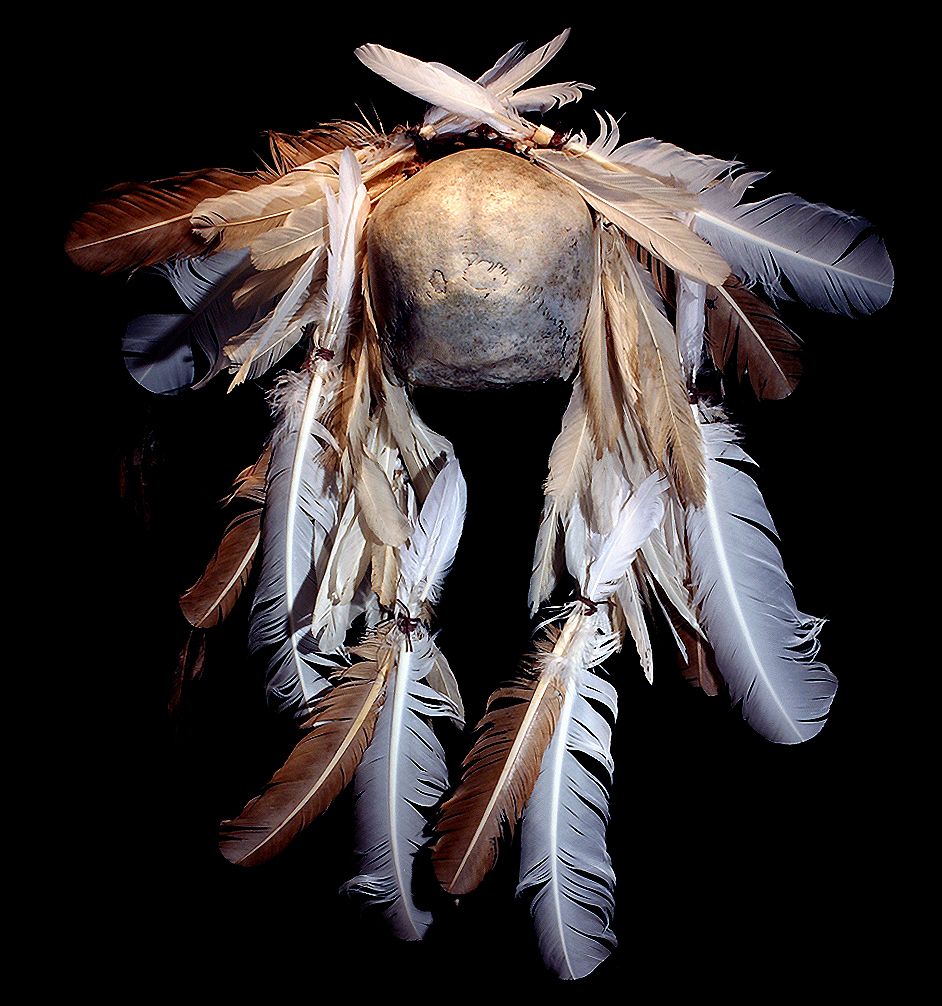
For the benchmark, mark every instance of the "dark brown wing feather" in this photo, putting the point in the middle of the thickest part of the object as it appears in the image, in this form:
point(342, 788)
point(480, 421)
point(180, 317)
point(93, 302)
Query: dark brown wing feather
point(745, 332)
point(138, 225)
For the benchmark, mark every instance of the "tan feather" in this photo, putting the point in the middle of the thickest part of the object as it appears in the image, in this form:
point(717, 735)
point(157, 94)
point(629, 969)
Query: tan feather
point(138, 225)
point(261, 288)
point(378, 506)
point(384, 573)
point(697, 662)
point(599, 377)
point(672, 429)
point(745, 331)
point(235, 219)
point(319, 767)
point(303, 230)
point(665, 282)
point(423, 451)
point(645, 209)
point(621, 317)
point(346, 566)
point(498, 776)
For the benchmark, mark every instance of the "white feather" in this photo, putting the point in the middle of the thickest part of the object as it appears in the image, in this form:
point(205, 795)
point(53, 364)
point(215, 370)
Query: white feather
point(613, 553)
point(510, 74)
point(690, 324)
point(548, 96)
point(831, 260)
point(564, 862)
point(504, 78)
point(403, 775)
point(765, 648)
point(442, 86)
point(280, 618)
point(430, 551)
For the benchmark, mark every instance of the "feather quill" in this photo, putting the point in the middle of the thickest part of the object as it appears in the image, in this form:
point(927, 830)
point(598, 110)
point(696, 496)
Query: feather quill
point(645, 209)
point(765, 648)
point(564, 863)
point(300, 513)
point(400, 778)
point(498, 775)
point(565, 867)
point(303, 497)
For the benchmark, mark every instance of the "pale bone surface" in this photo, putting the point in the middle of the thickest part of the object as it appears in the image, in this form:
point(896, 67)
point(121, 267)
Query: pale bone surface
point(481, 267)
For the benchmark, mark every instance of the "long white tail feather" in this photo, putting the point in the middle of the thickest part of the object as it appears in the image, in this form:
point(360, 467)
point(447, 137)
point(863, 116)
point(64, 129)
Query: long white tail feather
point(765, 648)
point(564, 861)
point(403, 775)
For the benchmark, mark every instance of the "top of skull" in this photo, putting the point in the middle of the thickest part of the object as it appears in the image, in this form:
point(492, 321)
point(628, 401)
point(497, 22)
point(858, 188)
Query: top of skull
point(481, 268)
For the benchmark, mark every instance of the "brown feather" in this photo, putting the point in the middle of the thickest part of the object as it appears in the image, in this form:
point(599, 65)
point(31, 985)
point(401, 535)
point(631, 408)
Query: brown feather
point(138, 225)
point(289, 151)
point(209, 601)
point(319, 767)
point(499, 774)
point(745, 331)
point(697, 662)
point(190, 663)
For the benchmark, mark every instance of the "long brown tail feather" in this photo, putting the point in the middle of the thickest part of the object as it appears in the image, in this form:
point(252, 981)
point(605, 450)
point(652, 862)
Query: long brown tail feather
point(499, 774)
point(319, 767)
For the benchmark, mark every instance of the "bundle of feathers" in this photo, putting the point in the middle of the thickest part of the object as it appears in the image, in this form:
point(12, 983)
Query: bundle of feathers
point(347, 524)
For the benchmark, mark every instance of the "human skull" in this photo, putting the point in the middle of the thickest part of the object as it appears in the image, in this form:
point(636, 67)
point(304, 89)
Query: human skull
point(481, 267)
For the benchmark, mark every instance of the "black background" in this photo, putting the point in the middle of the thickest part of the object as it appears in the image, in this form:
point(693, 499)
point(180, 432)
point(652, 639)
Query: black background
point(736, 859)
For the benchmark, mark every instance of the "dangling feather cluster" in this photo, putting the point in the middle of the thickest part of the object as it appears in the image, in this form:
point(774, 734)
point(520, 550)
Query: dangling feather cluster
point(348, 523)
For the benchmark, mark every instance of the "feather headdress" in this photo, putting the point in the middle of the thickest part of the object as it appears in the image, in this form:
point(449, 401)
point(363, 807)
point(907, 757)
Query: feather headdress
point(342, 531)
